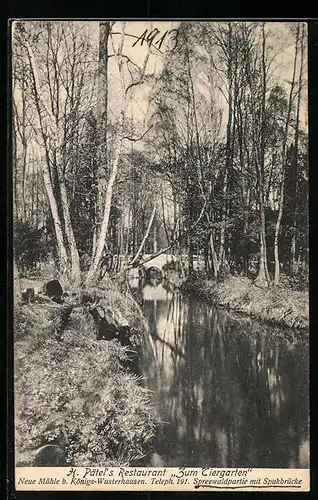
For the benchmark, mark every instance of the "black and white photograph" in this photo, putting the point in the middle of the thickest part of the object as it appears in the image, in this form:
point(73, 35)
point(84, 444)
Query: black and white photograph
point(160, 248)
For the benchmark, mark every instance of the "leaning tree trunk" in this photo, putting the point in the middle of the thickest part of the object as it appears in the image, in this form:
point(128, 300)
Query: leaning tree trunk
point(61, 246)
point(142, 244)
point(94, 270)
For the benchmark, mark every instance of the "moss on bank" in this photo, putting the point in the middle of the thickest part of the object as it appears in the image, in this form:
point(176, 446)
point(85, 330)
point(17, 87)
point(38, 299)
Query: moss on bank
point(279, 305)
point(77, 392)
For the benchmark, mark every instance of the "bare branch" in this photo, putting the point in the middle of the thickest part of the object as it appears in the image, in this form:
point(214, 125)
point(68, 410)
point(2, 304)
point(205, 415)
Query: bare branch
point(136, 139)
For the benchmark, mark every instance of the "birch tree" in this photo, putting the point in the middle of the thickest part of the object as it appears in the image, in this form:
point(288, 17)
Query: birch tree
point(122, 61)
point(58, 59)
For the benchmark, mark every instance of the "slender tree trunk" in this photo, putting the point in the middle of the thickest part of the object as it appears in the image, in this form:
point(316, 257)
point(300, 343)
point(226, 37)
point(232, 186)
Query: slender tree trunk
point(212, 251)
point(198, 161)
point(37, 224)
point(24, 143)
point(24, 176)
point(263, 274)
point(146, 235)
point(175, 222)
point(95, 264)
point(263, 277)
point(128, 233)
point(294, 265)
point(20, 130)
point(62, 253)
point(190, 254)
point(277, 230)
point(60, 237)
point(102, 117)
point(284, 160)
point(74, 256)
point(16, 285)
point(155, 237)
point(215, 263)
point(221, 257)
point(231, 71)
point(32, 218)
point(120, 245)
point(15, 173)
point(94, 268)
point(164, 219)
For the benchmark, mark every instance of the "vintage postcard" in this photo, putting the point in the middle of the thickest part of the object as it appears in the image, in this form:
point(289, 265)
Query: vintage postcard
point(160, 236)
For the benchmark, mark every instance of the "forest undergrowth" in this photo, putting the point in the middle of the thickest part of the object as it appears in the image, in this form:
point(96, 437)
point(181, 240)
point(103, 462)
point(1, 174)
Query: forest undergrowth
point(81, 395)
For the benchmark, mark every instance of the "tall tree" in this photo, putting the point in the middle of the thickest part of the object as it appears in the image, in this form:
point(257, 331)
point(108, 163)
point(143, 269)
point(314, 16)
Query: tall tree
point(284, 159)
point(296, 151)
point(102, 125)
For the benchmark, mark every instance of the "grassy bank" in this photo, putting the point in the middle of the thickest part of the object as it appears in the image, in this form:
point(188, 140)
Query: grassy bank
point(280, 305)
point(78, 393)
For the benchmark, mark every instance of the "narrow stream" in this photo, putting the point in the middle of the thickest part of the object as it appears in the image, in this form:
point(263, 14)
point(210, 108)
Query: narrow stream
point(229, 392)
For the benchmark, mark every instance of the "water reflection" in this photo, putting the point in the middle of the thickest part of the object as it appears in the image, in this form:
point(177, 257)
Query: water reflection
point(228, 391)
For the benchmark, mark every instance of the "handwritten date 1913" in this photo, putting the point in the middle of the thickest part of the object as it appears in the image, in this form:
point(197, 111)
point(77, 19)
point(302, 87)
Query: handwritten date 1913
point(169, 39)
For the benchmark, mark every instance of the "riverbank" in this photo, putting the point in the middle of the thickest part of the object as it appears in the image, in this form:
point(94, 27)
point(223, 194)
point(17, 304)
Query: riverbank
point(74, 392)
point(278, 305)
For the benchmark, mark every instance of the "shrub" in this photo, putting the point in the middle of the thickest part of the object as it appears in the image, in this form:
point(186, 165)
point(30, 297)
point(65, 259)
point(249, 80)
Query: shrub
point(30, 245)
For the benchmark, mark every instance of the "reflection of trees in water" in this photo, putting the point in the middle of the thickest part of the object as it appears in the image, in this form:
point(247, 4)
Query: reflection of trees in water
point(233, 394)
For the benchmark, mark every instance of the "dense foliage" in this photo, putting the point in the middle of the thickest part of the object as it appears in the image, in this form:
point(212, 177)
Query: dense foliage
point(31, 245)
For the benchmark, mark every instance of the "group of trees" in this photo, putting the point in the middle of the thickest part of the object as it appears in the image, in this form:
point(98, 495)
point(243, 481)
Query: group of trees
point(214, 166)
point(250, 179)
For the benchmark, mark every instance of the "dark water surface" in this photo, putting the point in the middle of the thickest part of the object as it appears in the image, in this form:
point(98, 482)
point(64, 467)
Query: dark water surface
point(229, 392)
